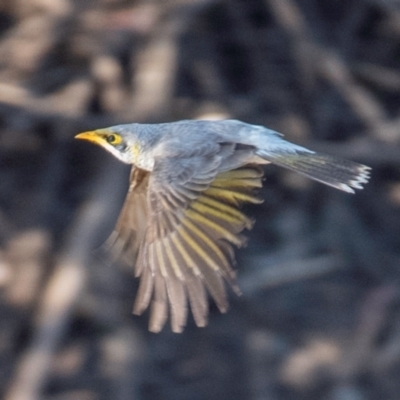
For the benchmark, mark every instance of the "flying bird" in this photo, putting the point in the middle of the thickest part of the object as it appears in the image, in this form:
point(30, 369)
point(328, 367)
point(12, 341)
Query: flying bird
point(181, 215)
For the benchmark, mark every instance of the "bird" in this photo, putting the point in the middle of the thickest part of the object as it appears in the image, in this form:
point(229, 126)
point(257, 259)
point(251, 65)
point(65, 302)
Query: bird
point(182, 213)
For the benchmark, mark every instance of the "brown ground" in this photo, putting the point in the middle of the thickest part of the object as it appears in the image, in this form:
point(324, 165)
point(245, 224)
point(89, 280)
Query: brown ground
point(319, 317)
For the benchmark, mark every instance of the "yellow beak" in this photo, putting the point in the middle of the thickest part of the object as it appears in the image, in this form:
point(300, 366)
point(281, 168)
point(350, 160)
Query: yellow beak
point(91, 136)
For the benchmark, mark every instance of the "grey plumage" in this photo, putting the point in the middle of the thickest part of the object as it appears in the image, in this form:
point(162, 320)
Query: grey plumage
point(181, 216)
point(189, 139)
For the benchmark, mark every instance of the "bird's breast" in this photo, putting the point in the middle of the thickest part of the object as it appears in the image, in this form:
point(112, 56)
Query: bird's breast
point(144, 161)
point(140, 157)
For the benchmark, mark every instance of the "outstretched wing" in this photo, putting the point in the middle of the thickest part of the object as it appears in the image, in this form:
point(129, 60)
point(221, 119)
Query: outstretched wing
point(193, 219)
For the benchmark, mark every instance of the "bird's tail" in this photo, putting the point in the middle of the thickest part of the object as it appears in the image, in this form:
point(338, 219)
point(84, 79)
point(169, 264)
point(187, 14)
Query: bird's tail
point(340, 174)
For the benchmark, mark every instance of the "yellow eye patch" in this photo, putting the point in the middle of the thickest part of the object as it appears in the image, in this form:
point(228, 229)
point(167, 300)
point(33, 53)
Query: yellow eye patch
point(113, 139)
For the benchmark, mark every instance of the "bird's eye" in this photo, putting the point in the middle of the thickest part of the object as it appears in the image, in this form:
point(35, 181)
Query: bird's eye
point(112, 139)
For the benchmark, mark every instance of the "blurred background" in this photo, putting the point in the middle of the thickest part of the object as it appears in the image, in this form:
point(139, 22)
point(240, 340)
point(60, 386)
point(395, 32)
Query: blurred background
point(319, 317)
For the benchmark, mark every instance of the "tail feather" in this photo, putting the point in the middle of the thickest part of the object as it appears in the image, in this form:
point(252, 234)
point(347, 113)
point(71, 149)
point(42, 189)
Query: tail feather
point(340, 174)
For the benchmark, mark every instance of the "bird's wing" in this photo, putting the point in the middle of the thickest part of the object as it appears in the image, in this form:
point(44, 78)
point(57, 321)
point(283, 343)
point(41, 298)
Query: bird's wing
point(131, 225)
point(193, 218)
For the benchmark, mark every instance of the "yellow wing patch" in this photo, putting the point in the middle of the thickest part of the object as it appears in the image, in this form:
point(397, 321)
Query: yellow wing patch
point(195, 245)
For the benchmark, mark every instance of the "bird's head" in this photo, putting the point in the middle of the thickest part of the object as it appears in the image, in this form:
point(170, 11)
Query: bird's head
point(119, 144)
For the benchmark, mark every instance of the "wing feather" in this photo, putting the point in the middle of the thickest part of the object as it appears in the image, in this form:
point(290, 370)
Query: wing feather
point(194, 248)
point(145, 291)
point(159, 305)
point(181, 225)
point(130, 229)
point(197, 298)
